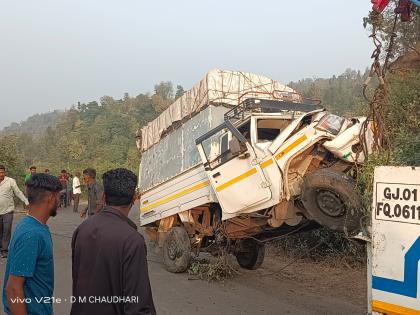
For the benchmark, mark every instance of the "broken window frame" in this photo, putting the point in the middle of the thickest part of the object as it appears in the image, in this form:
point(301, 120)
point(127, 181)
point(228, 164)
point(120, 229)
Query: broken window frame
point(232, 132)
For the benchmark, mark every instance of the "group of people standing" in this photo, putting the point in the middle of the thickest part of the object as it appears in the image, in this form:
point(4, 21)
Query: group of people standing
point(71, 187)
point(109, 266)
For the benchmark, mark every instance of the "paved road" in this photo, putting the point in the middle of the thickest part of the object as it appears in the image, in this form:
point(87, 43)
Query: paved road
point(249, 293)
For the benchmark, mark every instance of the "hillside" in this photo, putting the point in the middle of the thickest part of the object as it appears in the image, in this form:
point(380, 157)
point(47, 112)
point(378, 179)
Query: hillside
point(100, 135)
point(35, 125)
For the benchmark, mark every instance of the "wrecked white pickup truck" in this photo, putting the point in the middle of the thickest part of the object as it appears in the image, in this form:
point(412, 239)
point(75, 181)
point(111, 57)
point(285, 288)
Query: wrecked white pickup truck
point(241, 159)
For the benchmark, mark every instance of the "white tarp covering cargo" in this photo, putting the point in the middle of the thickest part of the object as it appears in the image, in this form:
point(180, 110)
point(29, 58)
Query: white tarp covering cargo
point(219, 87)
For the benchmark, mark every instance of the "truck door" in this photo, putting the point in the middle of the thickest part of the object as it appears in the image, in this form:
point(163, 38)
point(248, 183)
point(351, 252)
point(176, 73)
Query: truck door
point(233, 168)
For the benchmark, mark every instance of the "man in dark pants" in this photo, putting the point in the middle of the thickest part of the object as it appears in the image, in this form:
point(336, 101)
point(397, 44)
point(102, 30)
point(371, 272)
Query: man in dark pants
point(64, 184)
point(95, 192)
point(8, 190)
point(109, 256)
point(77, 191)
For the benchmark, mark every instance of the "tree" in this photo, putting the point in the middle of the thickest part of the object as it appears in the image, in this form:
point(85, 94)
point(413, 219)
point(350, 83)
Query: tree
point(159, 103)
point(179, 91)
point(163, 96)
point(11, 158)
point(107, 101)
point(165, 90)
point(340, 94)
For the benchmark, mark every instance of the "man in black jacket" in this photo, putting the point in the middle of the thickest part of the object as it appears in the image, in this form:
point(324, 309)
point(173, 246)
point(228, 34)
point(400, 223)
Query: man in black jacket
point(110, 274)
point(95, 192)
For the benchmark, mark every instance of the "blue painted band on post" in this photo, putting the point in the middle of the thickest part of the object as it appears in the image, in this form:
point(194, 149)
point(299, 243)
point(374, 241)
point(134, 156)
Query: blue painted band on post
point(408, 287)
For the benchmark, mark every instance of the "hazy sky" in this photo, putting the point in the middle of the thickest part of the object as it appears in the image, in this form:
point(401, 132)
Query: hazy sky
point(54, 53)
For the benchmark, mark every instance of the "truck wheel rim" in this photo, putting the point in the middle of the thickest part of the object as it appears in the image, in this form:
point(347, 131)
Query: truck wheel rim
point(172, 250)
point(330, 203)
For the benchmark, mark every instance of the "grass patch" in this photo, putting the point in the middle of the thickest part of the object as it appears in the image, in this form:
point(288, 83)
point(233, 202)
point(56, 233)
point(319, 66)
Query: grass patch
point(324, 246)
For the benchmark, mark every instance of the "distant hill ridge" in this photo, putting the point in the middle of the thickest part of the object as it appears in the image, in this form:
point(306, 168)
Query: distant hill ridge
point(35, 125)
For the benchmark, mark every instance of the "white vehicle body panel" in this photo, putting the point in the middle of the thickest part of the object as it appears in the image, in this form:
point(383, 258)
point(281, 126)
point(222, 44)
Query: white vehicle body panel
point(342, 146)
point(186, 191)
point(236, 194)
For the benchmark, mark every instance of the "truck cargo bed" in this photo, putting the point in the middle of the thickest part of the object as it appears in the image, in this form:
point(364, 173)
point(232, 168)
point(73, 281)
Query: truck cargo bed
point(183, 192)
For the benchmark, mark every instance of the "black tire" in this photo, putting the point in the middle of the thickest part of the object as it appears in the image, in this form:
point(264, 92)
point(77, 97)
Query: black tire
point(250, 254)
point(177, 250)
point(331, 199)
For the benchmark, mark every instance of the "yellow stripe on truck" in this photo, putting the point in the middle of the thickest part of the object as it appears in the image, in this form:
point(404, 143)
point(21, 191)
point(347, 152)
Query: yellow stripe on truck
point(392, 309)
point(291, 147)
point(252, 171)
point(263, 164)
point(175, 196)
point(266, 163)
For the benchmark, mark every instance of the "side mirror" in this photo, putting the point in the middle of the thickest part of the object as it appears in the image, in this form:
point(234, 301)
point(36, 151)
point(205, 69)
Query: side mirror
point(234, 146)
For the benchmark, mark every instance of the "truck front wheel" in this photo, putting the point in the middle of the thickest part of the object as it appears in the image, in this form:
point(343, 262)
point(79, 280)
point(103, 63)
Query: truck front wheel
point(250, 254)
point(331, 199)
point(177, 250)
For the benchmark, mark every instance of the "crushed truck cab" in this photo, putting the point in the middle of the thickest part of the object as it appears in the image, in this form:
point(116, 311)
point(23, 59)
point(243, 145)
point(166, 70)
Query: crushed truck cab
point(256, 162)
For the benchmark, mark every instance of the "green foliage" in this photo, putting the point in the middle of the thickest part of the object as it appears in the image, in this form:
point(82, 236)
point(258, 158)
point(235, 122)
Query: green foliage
point(340, 94)
point(11, 158)
point(34, 125)
point(165, 90)
point(179, 91)
point(402, 119)
point(402, 115)
point(365, 179)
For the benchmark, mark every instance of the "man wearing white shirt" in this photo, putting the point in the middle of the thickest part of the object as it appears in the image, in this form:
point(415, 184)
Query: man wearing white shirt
point(8, 190)
point(77, 191)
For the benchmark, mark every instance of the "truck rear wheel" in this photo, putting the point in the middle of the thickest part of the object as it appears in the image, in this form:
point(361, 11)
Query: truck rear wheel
point(177, 250)
point(250, 254)
point(331, 199)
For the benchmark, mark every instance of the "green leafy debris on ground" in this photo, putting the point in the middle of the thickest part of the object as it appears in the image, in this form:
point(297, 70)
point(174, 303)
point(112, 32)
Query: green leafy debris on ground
point(219, 269)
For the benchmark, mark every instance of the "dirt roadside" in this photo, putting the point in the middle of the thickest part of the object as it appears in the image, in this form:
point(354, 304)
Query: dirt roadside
point(302, 288)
